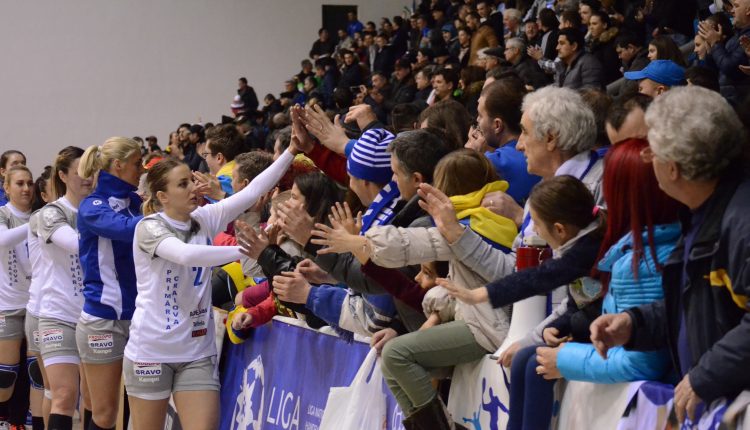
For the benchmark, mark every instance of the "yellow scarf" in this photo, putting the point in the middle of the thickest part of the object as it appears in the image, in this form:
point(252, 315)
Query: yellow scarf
point(226, 170)
point(496, 228)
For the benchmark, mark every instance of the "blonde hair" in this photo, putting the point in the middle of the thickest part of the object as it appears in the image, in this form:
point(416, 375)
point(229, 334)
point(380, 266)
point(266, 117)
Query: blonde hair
point(463, 171)
point(100, 157)
point(11, 171)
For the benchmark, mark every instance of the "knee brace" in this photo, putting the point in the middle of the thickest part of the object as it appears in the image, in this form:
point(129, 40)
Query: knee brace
point(35, 373)
point(8, 375)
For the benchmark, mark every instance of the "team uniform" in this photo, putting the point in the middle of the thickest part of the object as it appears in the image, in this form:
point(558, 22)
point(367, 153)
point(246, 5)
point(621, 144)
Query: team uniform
point(15, 272)
point(171, 346)
point(32, 307)
point(106, 225)
point(62, 282)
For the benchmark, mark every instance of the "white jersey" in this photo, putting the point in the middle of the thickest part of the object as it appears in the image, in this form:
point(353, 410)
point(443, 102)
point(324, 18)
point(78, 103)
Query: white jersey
point(173, 321)
point(62, 277)
point(15, 269)
point(35, 256)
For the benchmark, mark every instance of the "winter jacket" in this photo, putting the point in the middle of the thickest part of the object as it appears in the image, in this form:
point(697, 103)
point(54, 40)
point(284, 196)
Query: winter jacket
point(484, 37)
point(604, 50)
point(727, 58)
point(713, 297)
point(531, 73)
point(580, 361)
point(584, 72)
point(330, 163)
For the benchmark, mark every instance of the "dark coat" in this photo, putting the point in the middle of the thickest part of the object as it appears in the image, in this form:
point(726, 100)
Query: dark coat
point(584, 72)
point(604, 50)
point(531, 73)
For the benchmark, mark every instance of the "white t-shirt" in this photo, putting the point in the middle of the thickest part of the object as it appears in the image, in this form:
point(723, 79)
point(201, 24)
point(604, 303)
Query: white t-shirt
point(15, 269)
point(62, 276)
point(173, 320)
point(35, 255)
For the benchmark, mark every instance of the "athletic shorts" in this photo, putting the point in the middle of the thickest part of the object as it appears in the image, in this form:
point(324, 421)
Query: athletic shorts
point(58, 342)
point(11, 324)
point(101, 341)
point(157, 381)
point(32, 334)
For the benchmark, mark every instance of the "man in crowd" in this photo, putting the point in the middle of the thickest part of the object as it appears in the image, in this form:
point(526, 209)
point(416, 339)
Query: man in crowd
point(444, 82)
point(323, 47)
point(658, 77)
point(353, 25)
point(247, 94)
point(578, 69)
point(527, 69)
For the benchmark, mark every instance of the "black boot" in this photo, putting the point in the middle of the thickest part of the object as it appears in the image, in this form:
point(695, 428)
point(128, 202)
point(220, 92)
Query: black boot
point(432, 416)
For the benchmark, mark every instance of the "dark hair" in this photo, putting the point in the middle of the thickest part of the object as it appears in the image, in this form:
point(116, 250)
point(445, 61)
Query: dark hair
point(625, 38)
point(40, 186)
point(157, 180)
point(451, 117)
point(251, 164)
point(573, 35)
point(503, 99)
point(62, 163)
point(667, 49)
point(225, 139)
point(703, 77)
point(284, 136)
point(573, 18)
point(564, 199)
point(599, 102)
point(548, 18)
point(6, 156)
point(462, 172)
point(427, 52)
point(621, 108)
point(595, 5)
point(343, 97)
point(472, 74)
point(320, 194)
point(321, 31)
point(603, 16)
point(419, 151)
point(722, 19)
point(403, 117)
point(243, 80)
point(306, 62)
point(450, 75)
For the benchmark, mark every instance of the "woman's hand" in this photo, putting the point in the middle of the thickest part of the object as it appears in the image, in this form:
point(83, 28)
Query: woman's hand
point(295, 221)
point(343, 216)
point(252, 243)
point(551, 337)
point(440, 208)
point(547, 359)
point(242, 321)
point(314, 273)
point(506, 358)
point(291, 287)
point(362, 114)
point(502, 204)
point(330, 134)
point(382, 337)
point(534, 52)
point(337, 239)
point(303, 143)
point(472, 297)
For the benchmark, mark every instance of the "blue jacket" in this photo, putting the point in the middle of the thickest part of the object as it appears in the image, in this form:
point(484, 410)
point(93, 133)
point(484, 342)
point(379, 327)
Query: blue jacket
point(727, 58)
point(510, 164)
point(580, 361)
point(106, 225)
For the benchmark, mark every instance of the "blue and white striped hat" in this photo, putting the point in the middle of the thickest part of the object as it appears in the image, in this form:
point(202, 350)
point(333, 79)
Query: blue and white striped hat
point(368, 158)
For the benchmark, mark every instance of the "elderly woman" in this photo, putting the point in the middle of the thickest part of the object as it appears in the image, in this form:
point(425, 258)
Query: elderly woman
point(696, 146)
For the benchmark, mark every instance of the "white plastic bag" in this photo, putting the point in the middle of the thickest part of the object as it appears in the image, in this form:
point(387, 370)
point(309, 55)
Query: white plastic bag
point(360, 406)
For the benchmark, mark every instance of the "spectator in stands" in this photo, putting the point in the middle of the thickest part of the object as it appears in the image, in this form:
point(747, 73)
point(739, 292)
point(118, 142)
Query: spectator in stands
point(423, 80)
point(577, 69)
point(323, 47)
point(404, 117)
point(531, 35)
point(328, 76)
point(528, 69)
point(658, 77)
point(512, 23)
point(599, 102)
point(571, 19)
point(223, 144)
point(586, 8)
point(492, 16)
point(493, 57)
point(664, 48)
point(247, 94)
point(631, 52)
point(444, 82)
point(353, 25)
point(498, 121)
point(464, 40)
point(483, 36)
point(703, 77)
point(306, 72)
point(602, 45)
point(346, 42)
point(727, 56)
point(449, 116)
point(672, 18)
point(548, 24)
point(192, 148)
point(383, 57)
point(626, 118)
point(351, 73)
point(470, 85)
point(151, 144)
point(696, 145)
point(450, 37)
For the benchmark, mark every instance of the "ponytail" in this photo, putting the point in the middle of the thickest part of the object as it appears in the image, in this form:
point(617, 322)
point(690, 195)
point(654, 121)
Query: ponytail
point(97, 158)
point(566, 200)
point(90, 163)
point(150, 206)
point(64, 159)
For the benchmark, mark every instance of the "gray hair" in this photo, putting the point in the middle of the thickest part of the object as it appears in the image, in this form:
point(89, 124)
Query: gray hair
point(515, 43)
point(513, 14)
point(562, 113)
point(697, 129)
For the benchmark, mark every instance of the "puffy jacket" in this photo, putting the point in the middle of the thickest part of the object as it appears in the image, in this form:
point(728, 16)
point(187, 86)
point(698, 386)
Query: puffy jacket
point(580, 361)
point(727, 57)
point(714, 297)
point(585, 72)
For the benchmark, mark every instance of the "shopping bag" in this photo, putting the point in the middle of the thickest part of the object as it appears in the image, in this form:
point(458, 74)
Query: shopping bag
point(360, 406)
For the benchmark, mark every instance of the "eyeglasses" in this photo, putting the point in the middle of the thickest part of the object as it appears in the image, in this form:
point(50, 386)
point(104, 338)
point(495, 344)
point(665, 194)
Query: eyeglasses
point(205, 154)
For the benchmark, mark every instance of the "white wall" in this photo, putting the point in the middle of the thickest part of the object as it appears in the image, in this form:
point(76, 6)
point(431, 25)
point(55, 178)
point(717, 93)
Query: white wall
point(75, 72)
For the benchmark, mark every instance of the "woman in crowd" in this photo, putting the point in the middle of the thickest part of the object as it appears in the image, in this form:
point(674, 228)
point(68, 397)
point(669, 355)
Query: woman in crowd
point(40, 407)
point(664, 48)
point(9, 159)
point(410, 360)
point(15, 276)
point(62, 289)
point(171, 350)
point(106, 224)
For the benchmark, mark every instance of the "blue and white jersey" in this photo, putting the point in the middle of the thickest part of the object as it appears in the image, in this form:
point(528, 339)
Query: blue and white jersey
point(106, 226)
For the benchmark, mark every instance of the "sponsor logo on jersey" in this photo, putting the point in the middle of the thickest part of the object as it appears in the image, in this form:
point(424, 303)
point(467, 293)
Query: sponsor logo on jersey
point(52, 335)
point(198, 312)
point(199, 333)
point(96, 202)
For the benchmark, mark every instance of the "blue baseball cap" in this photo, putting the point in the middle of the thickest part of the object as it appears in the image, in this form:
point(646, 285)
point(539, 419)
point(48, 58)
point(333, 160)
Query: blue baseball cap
point(665, 72)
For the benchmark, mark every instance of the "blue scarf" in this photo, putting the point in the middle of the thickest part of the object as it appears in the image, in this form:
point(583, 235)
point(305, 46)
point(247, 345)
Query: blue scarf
point(381, 210)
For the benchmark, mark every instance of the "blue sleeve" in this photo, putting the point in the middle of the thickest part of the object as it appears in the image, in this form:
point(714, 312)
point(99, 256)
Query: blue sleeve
point(325, 301)
point(729, 56)
point(105, 222)
point(581, 362)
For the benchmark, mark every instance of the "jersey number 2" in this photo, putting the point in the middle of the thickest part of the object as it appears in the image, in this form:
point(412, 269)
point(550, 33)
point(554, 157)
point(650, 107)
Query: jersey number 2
point(198, 276)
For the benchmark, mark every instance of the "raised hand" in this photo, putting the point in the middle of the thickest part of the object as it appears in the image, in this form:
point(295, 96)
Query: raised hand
point(472, 297)
point(314, 273)
point(330, 134)
point(337, 239)
point(295, 221)
point(208, 185)
point(252, 243)
point(342, 215)
point(440, 208)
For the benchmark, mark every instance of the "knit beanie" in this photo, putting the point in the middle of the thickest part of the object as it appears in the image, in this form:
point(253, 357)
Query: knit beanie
point(368, 158)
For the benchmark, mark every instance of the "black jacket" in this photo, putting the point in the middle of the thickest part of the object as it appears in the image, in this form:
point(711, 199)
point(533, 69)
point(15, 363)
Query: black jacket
point(322, 48)
point(401, 92)
point(249, 99)
point(714, 297)
point(531, 73)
